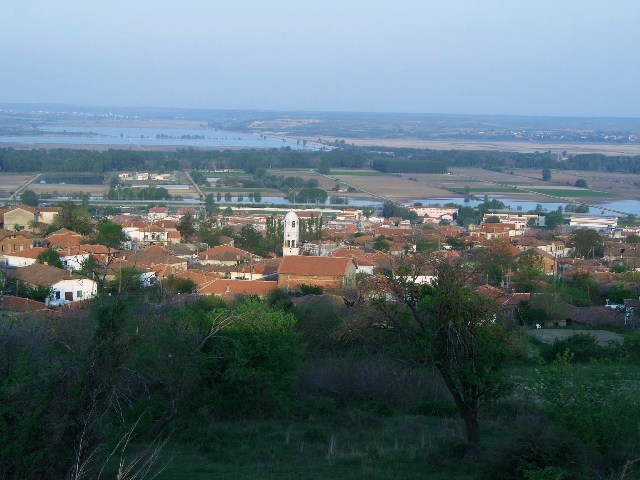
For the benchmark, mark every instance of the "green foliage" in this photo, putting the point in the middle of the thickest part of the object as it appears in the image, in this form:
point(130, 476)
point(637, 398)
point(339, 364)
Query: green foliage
point(29, 197)
point(596, 408)
point(493, 219)
point(250, 239)
point(390, 209)
point(49, 257)
point(257, 362)
point(546, 174)
point(108, 234)
point(581, 183)
point(633, 238)
point(467, 216)
point(554, 220)
point(310, 290)
point(587, 243)
point(186, 226)
point(578, 348)
point(537, 450)
point(73, 217)
point(308, 195)
point(180, 285)
point(380, 243)
point(619, 293)
point(127, 281)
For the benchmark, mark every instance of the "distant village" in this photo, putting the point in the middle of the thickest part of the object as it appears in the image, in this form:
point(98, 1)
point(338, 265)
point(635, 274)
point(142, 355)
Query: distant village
point(314, 248)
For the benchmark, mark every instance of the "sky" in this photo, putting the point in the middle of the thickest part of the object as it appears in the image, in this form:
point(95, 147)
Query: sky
point(560, 57)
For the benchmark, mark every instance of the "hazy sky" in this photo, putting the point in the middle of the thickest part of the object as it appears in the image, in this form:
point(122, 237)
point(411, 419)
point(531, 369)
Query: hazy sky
point(537, 57)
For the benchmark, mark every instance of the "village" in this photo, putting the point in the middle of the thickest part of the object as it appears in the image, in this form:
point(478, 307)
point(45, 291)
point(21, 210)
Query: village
point(188, 251)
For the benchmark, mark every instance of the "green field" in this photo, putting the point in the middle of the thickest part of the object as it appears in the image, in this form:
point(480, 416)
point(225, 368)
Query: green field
point(569, 193)
point(486, 190)
point(364, 446)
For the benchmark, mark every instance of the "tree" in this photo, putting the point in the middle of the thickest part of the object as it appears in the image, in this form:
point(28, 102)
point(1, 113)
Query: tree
point(581, 183)
point(554, 219)
point(250, 239)
point(29, 197)
point(73, 217)
point(633, 238)
point(210, 204)
point(546, 174)
point(459, 332)
point(186, 226)
point(381, 244)
point(49, 257)
point(587, 242)
point(469, 345)
point(108, 233)
point(493, 219)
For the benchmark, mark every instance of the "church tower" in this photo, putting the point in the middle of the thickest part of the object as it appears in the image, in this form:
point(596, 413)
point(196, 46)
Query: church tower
point(291, 235)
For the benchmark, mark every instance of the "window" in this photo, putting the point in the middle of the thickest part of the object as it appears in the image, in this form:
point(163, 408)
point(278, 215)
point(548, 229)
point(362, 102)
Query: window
point(79, 294)
point(293, 224)
point(3, 248)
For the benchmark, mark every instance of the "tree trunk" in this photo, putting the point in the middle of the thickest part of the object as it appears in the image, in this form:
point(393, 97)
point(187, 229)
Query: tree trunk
point(469, 413)
point(472, 451)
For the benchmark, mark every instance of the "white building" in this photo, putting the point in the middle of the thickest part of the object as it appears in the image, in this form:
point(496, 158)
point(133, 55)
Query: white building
point(64, 285)
point(291, 235)
point(596, 222)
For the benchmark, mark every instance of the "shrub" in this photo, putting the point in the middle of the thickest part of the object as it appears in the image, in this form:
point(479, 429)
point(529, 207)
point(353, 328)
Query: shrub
point(583, 347)
point(256, 361)
point(536, 449)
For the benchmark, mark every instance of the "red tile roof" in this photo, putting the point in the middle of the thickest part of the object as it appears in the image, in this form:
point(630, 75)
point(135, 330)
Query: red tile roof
point(304, 265)
point(238, 287)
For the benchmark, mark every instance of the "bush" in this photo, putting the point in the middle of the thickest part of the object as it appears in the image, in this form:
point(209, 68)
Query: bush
point(594, 405)
point(583, 347)
point(256, 361)
point(536, 449)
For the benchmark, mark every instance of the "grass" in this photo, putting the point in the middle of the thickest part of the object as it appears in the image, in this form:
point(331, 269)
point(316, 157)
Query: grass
point(572, 193)
point(487, 190)
point(367, 446)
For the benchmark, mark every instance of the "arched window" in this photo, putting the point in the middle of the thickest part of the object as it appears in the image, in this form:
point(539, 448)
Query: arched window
point(293, 224)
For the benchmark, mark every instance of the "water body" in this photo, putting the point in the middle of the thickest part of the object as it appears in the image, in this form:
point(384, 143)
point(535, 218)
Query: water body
point(352, 202)
point(629, 206)
point(168, 137)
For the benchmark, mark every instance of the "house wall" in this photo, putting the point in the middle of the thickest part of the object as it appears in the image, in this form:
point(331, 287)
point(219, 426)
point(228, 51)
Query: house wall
point(292, 281)
point(79, 289)
point(18, 217)
point(18, 243)
point(17, 262)
point(74, 261)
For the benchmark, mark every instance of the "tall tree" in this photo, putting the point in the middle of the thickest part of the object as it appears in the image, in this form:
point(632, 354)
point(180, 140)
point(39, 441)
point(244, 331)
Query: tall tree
point(459, 332)
point(186, 226)
point(29, 197)
point(108, 233)
point(74, 218)
point(587, 243)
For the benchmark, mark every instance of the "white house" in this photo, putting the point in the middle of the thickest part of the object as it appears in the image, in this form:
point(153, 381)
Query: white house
point(65, 286)
point(24, 258)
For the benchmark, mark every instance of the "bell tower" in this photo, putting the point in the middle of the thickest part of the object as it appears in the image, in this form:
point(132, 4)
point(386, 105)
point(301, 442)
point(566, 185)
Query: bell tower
point(291, 235)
